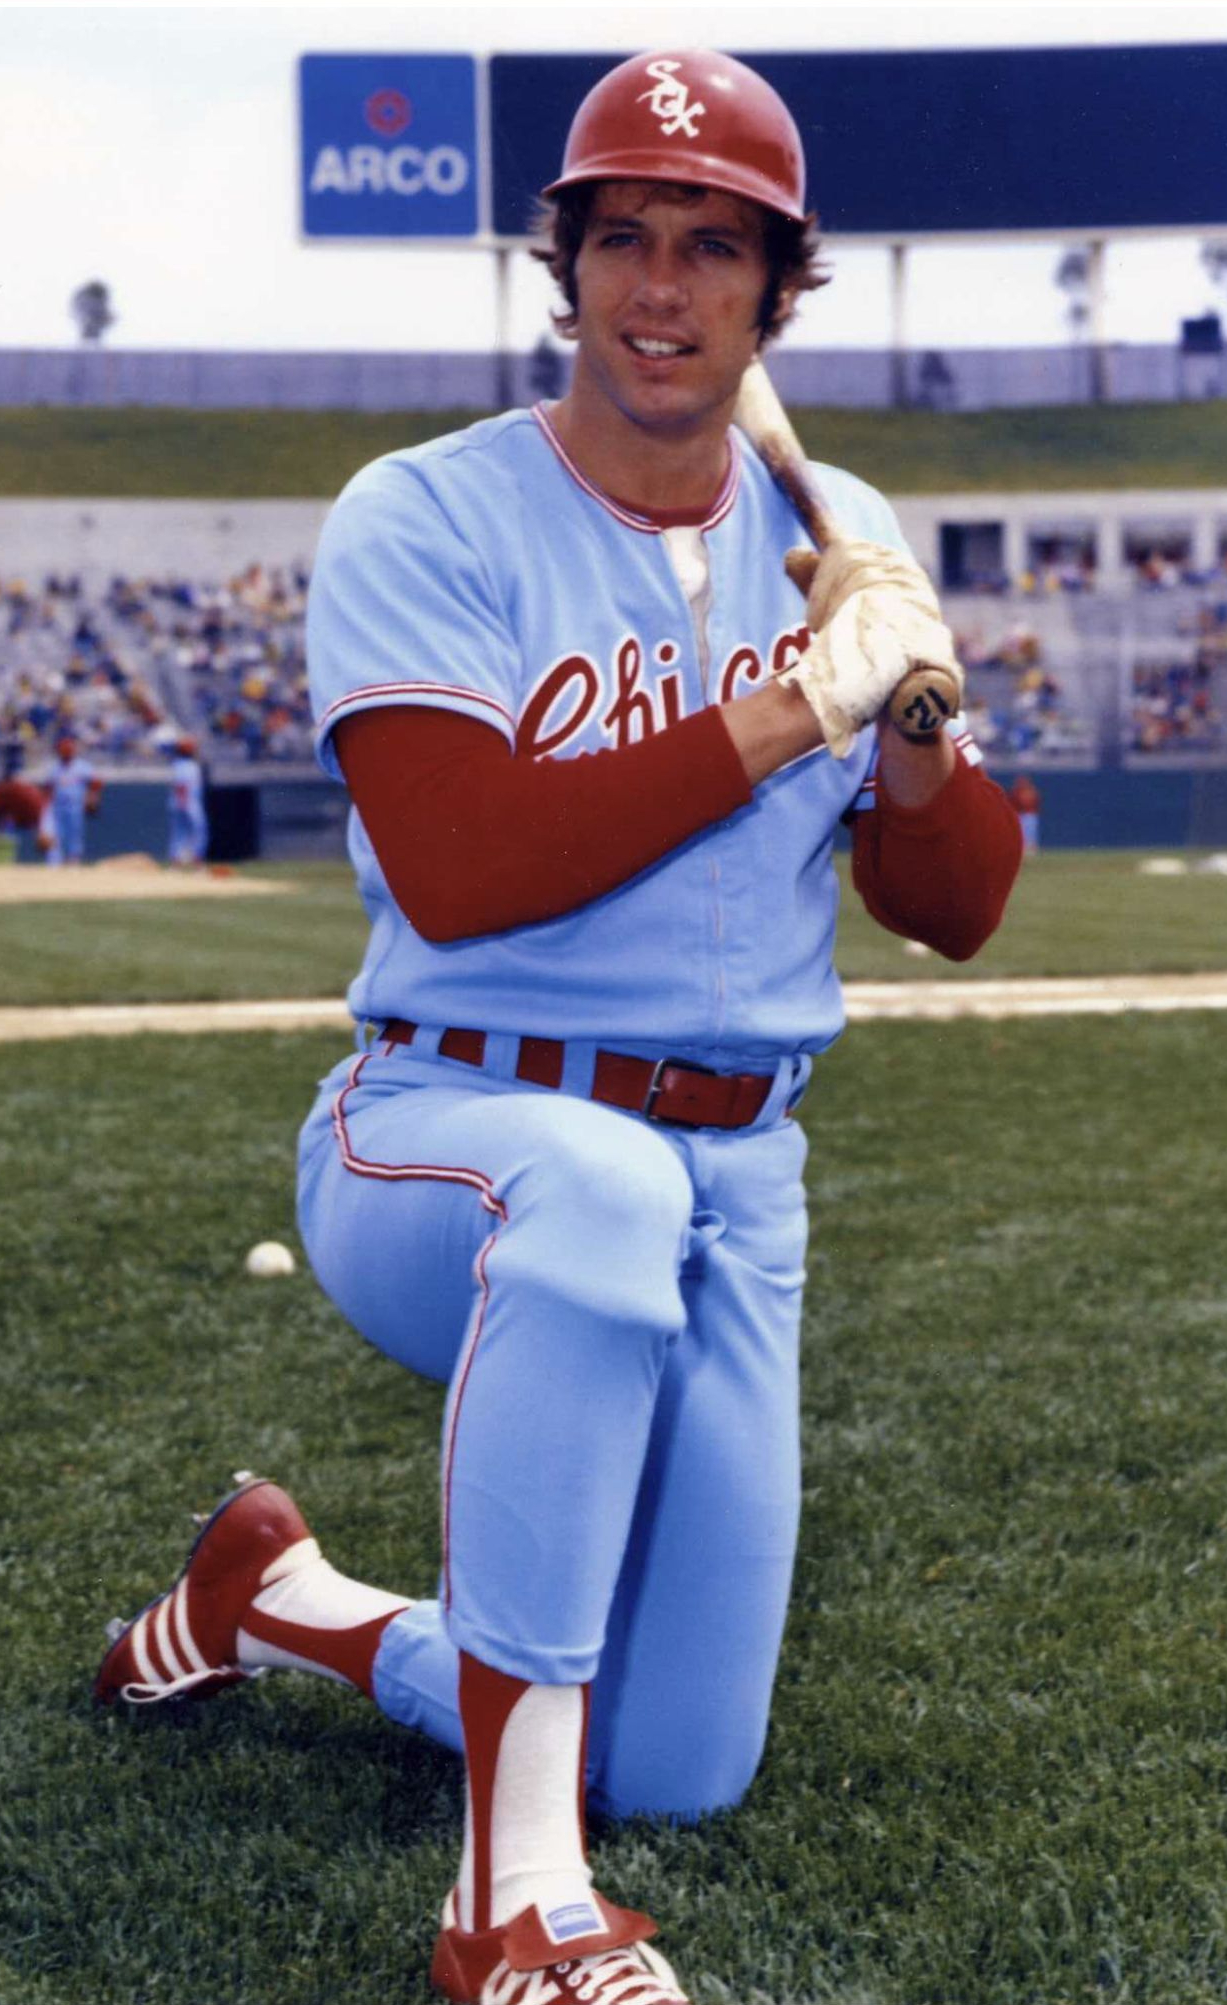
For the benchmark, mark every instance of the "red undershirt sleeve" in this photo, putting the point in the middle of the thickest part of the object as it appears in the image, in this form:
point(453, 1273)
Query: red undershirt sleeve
point(473, 839)
point(941, 873)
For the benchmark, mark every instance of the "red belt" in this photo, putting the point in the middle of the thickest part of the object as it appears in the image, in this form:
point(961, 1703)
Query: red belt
point(661, 1089)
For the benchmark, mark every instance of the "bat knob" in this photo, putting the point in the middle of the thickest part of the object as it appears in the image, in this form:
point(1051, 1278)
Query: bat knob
point(922, 704)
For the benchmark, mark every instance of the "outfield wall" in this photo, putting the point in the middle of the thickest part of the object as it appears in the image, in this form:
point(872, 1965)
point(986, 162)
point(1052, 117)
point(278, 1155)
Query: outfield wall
point(300, 820)
point(293, 820)
point(951, 379)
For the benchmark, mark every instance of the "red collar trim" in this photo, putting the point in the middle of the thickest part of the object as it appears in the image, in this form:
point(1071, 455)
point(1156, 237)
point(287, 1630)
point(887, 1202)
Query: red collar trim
point(650, 522)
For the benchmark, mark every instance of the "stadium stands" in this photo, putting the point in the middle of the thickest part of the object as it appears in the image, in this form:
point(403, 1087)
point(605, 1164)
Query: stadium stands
point(1056, 676)
point(1083, 680)
point(132, 667)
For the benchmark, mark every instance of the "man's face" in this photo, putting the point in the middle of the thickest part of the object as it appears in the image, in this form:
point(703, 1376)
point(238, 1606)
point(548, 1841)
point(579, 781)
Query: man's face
point(669, 296)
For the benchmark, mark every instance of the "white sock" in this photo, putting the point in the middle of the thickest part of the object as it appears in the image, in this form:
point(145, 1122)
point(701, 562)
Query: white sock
point(304, 1591)
point(536, 1832)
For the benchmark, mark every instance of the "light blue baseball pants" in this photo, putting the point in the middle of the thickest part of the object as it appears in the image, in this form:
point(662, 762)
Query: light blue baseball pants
point(615, 1308)
point(68, 817)
point(187, 835)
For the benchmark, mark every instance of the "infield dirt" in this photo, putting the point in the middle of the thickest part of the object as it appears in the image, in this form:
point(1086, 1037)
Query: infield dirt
point(125, 877)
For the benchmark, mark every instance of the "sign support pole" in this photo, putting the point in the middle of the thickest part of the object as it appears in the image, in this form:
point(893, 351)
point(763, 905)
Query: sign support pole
point(898, 325)
point(503, 390)
point(1097, 290)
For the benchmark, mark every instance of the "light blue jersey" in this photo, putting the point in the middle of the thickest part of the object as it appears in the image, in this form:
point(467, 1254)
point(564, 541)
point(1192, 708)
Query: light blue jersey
point(187, 826)
point(71, 781)
point(482, 573)
point(187, 784)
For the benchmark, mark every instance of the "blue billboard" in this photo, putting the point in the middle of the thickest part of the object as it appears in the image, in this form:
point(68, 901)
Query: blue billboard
point(389, 146)
point(913, 142)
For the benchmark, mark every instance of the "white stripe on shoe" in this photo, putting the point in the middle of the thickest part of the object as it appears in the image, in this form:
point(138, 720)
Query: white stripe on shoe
point(156, 1684)
point(140, 1652)
point(161, 1636)
point(187, 1642)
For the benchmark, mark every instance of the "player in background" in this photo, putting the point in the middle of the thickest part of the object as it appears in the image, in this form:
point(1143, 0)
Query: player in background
point(187, 826)
point(594, 827)
point(1025, 796)
point(76, 791)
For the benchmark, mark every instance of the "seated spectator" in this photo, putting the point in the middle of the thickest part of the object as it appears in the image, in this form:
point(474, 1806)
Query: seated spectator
point(1174, 710)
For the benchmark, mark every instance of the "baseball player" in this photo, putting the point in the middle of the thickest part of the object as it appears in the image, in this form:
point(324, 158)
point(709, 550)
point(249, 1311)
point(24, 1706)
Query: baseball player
point(559, 664)
point(187, 828)
point(75, 792)
point(1025, 796)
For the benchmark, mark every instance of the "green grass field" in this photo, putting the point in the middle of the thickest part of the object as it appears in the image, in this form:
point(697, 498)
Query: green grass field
point(131, 450)
point(997, 1773)
point(1073, 912)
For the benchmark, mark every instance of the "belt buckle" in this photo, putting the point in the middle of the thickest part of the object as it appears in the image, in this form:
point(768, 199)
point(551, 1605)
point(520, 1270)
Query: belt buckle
point(656, 1087)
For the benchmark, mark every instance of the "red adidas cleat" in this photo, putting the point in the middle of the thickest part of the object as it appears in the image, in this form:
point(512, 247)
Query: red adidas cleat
point(187, 1639)
point(503, 1966)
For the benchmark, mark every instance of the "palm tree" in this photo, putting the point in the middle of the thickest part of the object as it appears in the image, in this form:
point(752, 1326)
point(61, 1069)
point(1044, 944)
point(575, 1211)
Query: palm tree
point(1073, 275)
point(90, 307)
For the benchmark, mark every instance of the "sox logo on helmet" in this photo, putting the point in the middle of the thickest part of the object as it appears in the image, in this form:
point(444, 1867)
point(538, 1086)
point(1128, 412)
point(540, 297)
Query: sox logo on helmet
point(669, 99)
point(703, 119)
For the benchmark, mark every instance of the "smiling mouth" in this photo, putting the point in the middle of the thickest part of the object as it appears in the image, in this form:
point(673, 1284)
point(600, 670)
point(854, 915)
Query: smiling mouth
point(657, 348)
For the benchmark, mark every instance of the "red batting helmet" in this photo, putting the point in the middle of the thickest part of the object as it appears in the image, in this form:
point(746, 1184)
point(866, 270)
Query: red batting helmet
point(689, 115)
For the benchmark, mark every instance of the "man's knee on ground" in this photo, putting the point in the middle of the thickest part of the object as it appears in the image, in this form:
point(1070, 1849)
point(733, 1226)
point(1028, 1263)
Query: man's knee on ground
point(680, 1805)
point(700, 1774)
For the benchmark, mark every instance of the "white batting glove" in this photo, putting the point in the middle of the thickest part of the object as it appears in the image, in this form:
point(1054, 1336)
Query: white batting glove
point(874, 617)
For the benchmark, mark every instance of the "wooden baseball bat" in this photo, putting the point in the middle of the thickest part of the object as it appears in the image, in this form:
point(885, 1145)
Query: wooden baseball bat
point(926, 697)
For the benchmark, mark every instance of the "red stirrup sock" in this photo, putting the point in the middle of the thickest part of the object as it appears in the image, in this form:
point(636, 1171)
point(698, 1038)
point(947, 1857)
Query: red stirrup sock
point(309, 1617)
point(524, 1842)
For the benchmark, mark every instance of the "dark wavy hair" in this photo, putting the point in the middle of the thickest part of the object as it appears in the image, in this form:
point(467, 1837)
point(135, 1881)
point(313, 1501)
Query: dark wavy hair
point(793, 251)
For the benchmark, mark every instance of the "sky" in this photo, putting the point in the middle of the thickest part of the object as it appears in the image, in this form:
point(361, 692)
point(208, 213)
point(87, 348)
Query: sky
point(156, 148)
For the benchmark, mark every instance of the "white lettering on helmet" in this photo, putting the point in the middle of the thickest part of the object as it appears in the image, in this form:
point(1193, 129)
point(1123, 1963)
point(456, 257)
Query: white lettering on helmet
point(669, 101)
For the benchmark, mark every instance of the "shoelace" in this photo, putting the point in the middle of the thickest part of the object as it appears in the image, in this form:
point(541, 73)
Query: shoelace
point(638, 1983)
point(613, 1976)
point(174, 1688)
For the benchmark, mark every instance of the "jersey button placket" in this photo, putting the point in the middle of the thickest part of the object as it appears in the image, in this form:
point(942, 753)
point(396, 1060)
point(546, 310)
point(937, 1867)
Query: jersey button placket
point(689, 558)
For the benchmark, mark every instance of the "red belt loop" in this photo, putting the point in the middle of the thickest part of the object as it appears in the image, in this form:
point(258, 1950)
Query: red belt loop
point(665, 1090)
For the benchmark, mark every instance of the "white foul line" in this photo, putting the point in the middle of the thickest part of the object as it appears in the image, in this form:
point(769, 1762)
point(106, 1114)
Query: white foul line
point(130, 1019)
point(867, 1002)
point(1102, 995)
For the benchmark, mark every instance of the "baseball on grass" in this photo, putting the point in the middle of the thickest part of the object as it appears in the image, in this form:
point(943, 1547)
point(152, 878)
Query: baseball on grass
point(268, 1258)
